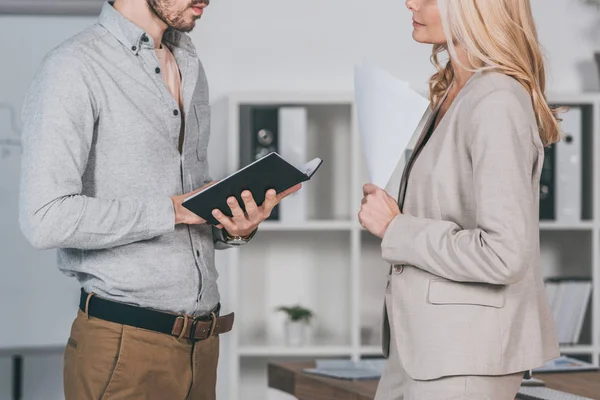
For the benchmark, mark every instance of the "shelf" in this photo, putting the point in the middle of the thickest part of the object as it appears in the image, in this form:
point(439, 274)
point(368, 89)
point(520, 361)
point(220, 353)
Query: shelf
point(285, 351)
point(573, 98)
point(308, 98)
point(307, 226)
point(569, 226)
point(300, 268)
point(578, 349)
point(371, 351)
point(318, 345)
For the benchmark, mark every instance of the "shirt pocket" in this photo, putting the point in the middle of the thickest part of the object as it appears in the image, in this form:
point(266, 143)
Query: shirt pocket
point(442, 292)
point(202, 112)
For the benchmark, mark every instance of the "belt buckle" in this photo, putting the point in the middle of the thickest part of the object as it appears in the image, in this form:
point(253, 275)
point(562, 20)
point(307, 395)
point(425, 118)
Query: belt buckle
point(213, 324)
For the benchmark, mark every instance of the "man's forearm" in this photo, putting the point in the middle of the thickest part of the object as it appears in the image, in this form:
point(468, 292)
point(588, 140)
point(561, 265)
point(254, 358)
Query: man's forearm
point(89, 223)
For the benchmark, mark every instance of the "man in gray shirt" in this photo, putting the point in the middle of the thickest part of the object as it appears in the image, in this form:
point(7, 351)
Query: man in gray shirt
point(116, 129)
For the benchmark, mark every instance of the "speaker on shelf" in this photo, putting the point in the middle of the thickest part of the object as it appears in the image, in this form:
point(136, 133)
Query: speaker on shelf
point(259, 136)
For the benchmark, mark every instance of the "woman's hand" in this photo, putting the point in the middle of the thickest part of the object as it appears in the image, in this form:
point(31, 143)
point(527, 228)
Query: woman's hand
point(378, 210)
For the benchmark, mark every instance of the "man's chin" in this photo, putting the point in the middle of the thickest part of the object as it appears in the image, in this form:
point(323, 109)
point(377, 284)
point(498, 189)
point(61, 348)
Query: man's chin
point(185, 28)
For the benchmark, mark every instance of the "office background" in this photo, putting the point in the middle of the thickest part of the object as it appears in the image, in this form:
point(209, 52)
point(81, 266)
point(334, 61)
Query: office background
point(282, 46)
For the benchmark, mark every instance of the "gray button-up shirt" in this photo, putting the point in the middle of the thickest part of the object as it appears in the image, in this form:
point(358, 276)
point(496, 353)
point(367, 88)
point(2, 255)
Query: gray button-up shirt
point(101, 160)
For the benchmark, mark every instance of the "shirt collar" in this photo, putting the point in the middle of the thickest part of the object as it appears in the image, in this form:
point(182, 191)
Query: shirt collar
point(135, 38)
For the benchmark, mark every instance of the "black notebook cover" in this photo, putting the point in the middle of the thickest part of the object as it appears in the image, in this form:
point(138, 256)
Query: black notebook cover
point(269, 172)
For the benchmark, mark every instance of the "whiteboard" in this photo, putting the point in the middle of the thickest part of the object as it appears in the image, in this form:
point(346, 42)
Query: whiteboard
point(37, 302)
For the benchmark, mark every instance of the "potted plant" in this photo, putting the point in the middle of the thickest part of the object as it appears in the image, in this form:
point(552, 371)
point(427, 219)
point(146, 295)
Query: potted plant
point(297, 324)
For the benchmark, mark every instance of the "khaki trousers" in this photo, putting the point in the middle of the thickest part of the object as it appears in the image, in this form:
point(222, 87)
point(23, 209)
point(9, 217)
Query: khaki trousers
point(108, 361)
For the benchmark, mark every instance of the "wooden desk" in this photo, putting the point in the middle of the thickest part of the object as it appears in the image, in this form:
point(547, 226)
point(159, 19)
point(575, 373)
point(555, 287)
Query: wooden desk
point(289, 378)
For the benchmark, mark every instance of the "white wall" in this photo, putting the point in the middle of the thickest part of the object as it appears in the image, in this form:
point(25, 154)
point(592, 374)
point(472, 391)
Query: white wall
point(308, 45)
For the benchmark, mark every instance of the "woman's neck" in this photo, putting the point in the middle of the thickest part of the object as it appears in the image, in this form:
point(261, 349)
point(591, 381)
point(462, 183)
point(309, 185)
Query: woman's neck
point(461, 75)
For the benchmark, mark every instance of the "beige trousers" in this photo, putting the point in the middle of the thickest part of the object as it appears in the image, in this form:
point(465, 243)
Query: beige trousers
point(395, 384)
point(108, 361)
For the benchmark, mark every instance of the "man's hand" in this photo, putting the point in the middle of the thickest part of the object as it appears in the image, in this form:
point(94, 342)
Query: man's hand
point(182, 214)
point(243, 224)
point(378, 210)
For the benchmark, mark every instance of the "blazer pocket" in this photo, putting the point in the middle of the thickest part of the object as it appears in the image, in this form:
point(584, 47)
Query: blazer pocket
point(481, 294)
point(203, 118)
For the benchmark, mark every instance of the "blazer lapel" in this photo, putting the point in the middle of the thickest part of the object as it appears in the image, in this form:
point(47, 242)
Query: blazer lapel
point(424, 130)
point(424, 126)
point(394, 183)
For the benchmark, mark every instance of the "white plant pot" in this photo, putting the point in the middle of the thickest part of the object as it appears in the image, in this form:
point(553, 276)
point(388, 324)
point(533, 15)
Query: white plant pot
point(296, 333)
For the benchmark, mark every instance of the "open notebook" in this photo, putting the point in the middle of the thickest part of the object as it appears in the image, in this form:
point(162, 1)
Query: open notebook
point(269, 172)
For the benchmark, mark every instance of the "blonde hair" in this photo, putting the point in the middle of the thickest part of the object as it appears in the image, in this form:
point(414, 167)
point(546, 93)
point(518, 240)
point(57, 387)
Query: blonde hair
point(498, 35)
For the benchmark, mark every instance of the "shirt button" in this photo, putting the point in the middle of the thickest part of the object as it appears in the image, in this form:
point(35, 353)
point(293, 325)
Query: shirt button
point(398, 269)
point(175, 112)
point(134, 48)
point(145, 38)
point(157, 70)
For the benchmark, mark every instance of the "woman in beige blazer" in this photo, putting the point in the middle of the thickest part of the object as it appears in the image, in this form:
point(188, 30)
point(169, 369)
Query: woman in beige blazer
point(466, 313)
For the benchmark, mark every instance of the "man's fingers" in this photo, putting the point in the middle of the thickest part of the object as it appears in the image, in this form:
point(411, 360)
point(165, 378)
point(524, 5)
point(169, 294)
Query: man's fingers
point(224, 220)
point(270, 201)
point(236, 210)
point(249, 204)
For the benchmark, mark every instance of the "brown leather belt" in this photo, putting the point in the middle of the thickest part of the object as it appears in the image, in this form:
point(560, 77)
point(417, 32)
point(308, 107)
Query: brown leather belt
point(183, 326)
point(203, 329)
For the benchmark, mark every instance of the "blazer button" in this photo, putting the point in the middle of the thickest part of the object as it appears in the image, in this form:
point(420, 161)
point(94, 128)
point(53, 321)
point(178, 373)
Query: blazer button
point(398, 269)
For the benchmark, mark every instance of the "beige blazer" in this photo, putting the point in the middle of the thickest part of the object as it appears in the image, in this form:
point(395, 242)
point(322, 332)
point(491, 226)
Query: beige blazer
point(467, 291)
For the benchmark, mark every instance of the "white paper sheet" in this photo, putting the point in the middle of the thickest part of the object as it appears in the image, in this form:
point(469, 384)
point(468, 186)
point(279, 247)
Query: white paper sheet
point(389, 111)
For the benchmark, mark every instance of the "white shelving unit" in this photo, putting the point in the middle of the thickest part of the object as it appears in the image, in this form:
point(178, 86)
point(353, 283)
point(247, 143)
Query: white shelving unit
point(333, 266)
point(572, 249)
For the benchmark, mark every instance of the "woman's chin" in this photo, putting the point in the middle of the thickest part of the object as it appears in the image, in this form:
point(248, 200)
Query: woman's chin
point(419, 37)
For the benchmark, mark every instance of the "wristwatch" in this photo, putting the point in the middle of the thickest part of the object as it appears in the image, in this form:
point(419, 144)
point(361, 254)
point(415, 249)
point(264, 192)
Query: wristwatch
point(237, 240)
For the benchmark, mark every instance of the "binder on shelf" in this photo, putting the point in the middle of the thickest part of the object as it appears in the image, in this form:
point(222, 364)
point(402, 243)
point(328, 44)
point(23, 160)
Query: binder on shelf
point(292, 130)
point(547, 186)
point(568, 175)
point(569, 298)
